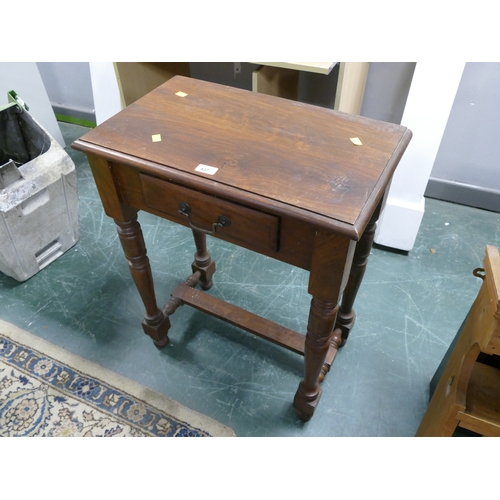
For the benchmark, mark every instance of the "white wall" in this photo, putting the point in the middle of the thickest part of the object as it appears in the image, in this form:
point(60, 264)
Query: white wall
point(467, 166)
point(69, 88)
point(386, 92)
point(432, 92)
point(24, 78)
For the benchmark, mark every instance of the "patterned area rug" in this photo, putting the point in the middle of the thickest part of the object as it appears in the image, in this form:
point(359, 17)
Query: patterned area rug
point(47, 391)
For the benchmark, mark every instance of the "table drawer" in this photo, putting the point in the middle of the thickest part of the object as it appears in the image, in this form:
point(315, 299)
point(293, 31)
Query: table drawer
point(240, 224)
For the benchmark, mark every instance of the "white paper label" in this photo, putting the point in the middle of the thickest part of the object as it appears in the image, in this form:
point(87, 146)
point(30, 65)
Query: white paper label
point(206, 169)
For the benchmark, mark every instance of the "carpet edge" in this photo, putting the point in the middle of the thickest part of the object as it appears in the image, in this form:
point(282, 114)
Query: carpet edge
point(160, 401)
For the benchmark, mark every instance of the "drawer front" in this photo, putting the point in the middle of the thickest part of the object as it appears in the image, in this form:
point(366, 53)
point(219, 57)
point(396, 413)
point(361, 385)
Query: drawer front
point(250, 227)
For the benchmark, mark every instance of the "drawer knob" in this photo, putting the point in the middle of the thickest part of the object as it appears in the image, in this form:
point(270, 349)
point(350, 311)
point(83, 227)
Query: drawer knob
point(184, 208)
point(222, 220)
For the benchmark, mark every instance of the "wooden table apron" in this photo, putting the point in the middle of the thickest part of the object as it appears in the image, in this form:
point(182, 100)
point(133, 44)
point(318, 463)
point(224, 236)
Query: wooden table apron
point(289, 183)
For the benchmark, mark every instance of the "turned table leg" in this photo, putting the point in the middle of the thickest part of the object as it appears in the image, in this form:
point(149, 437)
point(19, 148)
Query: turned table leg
point(155, 323)
point(203, 269)
point(202, 260)
point(318, 339)
point(347, 316)
point(332, 257)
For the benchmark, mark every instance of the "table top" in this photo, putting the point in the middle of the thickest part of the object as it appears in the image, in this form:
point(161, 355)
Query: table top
point(312, 159)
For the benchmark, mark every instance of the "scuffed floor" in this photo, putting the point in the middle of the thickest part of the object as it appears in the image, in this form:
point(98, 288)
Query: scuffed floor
point(409, 308)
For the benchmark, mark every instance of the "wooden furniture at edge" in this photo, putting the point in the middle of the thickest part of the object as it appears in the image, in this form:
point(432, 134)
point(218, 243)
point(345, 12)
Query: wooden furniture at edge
point(281, 79)
point(136, 79)
point(468, 392)
point(271, 175)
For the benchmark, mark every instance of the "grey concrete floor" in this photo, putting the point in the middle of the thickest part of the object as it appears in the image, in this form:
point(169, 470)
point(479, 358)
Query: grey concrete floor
point(409, 308)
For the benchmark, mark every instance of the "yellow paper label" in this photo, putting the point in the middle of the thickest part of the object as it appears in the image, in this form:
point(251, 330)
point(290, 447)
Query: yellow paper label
point(181, 94)
point(356, 141)
point(156, 137)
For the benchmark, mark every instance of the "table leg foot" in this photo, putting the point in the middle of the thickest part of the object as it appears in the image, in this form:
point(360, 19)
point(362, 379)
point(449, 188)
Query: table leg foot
point(305, 404)
point(317, 344)
point(335, 343)
point(203, 262)
point(161, 344)
point(206, 281)
point(345, 324)
point(157, 328)
point(346, 316)
point(155, 323)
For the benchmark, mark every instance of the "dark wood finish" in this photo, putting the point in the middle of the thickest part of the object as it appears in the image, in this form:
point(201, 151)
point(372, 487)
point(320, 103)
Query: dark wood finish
point(295, 235)
point(203, 262)
point(252, 226)
point(236, 316)
point(346, 316)
point(155, 323)
point(289, 181)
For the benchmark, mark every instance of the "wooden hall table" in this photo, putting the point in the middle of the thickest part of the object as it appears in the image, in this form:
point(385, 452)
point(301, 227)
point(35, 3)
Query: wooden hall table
point(295, 182)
